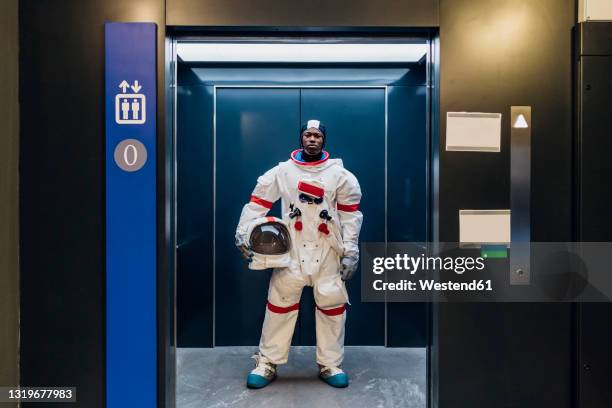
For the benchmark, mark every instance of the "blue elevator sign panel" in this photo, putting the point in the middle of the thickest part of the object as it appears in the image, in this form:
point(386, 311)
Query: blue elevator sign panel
point(131, 319)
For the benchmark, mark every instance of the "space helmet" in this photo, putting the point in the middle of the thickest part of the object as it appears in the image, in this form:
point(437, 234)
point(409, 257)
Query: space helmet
point(270, 242)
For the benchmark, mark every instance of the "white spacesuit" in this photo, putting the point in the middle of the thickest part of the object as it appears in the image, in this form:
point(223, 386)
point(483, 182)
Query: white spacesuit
point(320, 203)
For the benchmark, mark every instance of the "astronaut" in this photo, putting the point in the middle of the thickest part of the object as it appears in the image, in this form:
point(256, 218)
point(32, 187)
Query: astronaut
point(321, 217)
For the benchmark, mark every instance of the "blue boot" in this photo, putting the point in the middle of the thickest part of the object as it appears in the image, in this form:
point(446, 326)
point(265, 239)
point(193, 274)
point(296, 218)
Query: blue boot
point(333, 376)
point(263, 373)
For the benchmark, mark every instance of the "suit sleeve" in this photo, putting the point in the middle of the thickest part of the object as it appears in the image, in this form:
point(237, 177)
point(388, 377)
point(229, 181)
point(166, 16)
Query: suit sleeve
point(348, 197)
point(265, 194)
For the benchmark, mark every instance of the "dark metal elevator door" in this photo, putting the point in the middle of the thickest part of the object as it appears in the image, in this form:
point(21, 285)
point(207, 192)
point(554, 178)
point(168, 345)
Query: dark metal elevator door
point(255, 129)
point(595, 220)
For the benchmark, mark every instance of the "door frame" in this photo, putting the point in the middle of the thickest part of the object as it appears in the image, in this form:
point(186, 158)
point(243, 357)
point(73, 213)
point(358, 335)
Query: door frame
point(167, 338)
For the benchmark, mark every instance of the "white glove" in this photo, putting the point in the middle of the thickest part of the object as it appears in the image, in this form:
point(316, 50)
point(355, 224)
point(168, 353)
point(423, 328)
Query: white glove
point(244, 249)
point(348, 266)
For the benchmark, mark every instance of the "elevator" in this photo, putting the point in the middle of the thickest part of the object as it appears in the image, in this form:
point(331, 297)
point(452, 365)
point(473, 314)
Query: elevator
point(236, 119)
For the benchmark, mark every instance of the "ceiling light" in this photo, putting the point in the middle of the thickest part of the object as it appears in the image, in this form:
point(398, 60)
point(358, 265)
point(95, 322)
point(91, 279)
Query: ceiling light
point(300, 52)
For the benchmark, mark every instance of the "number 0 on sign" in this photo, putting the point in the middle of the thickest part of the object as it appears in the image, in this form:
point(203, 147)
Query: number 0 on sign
point(130, 155)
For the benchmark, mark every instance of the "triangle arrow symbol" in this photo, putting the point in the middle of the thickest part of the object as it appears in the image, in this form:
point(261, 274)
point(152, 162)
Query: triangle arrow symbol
point(520, 122)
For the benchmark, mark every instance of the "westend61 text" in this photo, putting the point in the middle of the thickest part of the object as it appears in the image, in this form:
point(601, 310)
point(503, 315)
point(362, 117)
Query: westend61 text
point(432, 285)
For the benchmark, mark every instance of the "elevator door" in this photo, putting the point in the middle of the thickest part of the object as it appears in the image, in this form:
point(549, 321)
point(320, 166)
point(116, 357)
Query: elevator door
point(255, 129)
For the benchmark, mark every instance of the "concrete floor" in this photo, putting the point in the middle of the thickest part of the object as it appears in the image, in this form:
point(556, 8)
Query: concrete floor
point(379, 377)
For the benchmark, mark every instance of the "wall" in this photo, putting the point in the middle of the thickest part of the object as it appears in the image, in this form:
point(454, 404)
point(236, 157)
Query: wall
point(9, 210)
point(495, 54)
point(316, 13)
point(62, 188)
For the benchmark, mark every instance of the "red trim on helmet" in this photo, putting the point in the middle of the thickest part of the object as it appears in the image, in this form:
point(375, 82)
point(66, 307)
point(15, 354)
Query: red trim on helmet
point(303, 163)
point(310, 189)
point(262, 202)
point(271, 219)
point(279, 309)
point(348, 207)
point(333, 312)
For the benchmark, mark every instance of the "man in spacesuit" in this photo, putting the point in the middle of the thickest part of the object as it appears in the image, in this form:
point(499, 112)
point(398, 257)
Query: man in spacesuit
point(320, 215)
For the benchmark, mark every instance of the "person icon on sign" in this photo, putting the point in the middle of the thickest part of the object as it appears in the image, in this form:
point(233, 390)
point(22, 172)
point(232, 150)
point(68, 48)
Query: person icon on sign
point(125, 108)
point(135, 108)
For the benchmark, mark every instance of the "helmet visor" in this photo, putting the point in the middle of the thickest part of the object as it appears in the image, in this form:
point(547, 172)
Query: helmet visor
point(270, 238)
